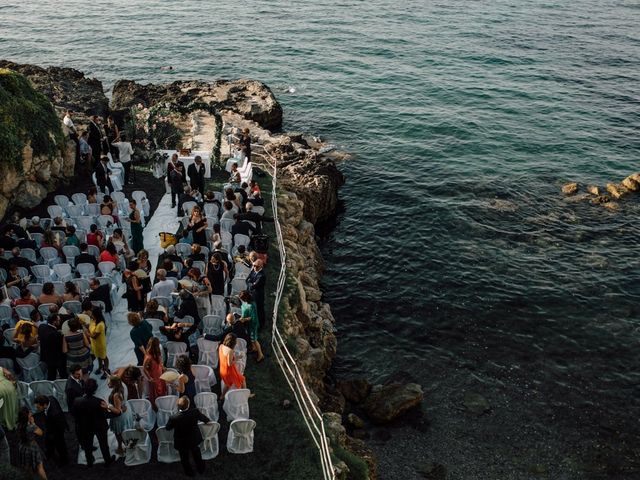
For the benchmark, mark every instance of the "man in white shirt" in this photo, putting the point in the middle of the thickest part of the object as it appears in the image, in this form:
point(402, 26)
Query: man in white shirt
point(163, 287)
point(73, 133)
point(125, 151)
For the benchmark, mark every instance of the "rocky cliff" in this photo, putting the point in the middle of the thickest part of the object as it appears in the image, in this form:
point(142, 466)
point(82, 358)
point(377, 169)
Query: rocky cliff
point(35, 153)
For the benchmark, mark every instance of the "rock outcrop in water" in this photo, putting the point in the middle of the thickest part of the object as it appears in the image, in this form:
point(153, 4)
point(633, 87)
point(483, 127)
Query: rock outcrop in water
point(616, 191)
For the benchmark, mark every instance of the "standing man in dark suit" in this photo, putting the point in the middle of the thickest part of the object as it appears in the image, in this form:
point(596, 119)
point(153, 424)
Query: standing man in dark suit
point(51, 352)
point(187, 437)
point(95, 139)
point(55, 424)
point(256, 281)
point(90, 414)
point(102, 174)
point(100, 293)
point(177, 181)
point(75, 385)
point(196, 175)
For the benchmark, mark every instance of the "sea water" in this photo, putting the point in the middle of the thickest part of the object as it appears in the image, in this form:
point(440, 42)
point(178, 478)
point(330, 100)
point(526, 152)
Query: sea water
point(454, 258)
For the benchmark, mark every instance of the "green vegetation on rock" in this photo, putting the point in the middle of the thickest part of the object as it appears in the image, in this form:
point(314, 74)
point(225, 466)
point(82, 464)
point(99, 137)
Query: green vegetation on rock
point(26, 116)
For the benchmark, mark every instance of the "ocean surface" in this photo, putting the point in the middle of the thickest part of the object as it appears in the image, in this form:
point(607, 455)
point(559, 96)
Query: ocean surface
point(455, 258)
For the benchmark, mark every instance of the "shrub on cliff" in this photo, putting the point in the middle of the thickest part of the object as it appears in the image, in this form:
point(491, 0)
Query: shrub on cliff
point(26, 117)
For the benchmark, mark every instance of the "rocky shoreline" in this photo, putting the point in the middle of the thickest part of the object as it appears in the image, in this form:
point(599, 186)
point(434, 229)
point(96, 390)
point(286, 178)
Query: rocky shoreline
point(308, 184)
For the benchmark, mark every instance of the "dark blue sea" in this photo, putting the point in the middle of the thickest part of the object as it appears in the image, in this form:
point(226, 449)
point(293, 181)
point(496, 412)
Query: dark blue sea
point(455, 257)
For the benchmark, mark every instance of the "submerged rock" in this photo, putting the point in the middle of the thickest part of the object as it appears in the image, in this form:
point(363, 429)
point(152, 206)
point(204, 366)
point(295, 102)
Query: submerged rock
point(387, 402)
point(631, 184)
point(600, 199)
point(616, 191)
point(354, 390)
point(570, 188)
point(594, 190)
point(476, 403)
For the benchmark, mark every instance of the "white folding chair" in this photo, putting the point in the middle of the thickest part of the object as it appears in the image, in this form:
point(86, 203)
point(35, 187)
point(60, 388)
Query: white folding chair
point(141, 199)
point(236, 403)
point(86, 270)
point(174, 350)
point(8, 336)
point(31, 369)
point(200, 265)
point(24, 311)
point(207, 352)
point(226, 224)
point(258, 209)
point(74, 211)
point(92, 209)
point(212, 324)
point(238, 285)
point(45, 309)
point(82, 284)
point(55, 211)
point(60, 386)
point(207, 403)
point(204, 377)
point(61, 200)
point(167, 406)
point(163, 301)
point(58, 287)
point(142, 413)
point(42, 272)
point(137, 447)
point(93, 250)
point(63, 272)
point(106, 268)
point(166, 452)
point(240, 239)
point(42, 387)
point(118, 197)
point(29, 254)
point(85, 221)
point(242, 270)
point(25, 396)
point(37, 237)
point(79, 198)
point(155, 327)
point(187, 207)
point(35, 289)
point(72, 306)
point(218, 307)
point(6, 313)
point(70, 253)
point(183, 249)
point(240, 439)
point(209, 448)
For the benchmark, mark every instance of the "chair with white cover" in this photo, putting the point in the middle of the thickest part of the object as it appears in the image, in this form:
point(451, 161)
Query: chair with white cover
point(35, 289)
point(172, 388)
point(167, 405)
point(70, 253)
point(238, 285)
point(79, 198)
point(29, 254)
point(137, 447)
point(31, 368)
point(8, 336)
point(106, 222)
point(207, 403)
point(25, 396)
point(200, 265)
point(242, 270)
point(86, 270)
point(226, 224)
point(174, 350)
point(45, 309)
point(38, 238)
point(207, 352)
point(166, 452)
point(211, 209)
point(187, 207)
point(42, 387)
point(218, 306)
point(82, 284)
point(204, 377)
point(240, 439)
point(240, 239)
point(42, 272)
point(92, 209)
point(258, 209)
point(155, 327)
point(61, 200)
point(143, 203)
point(63, 272)
point(183, 249)
point(209, 448)
point(24, 311)
point(236, 403)
point(106, 268)
point(74, 211)
point(55, 211)
point(58, 287)
point(85, 221)
point(72, 306)
point(212, 324)
point(93, 250)
point(142, 412)
point(163, 301)
point(60, 386)
point(22, 272)
point(6, 314)
point(118, 197)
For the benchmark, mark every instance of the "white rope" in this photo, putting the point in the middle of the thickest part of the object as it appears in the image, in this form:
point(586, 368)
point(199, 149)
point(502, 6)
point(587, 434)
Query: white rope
point(312, 417)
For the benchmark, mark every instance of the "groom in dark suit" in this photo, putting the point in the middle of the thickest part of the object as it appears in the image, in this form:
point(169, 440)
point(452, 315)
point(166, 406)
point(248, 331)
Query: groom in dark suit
point(102, 175)
point(196, 175)
point(187, 437)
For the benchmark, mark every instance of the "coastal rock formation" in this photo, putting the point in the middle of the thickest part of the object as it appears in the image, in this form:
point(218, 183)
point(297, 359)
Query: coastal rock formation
point(570, 188)
point(387, 402)
point(65, 87)
point(617, 191)
point(251, 99)
point(36, 152)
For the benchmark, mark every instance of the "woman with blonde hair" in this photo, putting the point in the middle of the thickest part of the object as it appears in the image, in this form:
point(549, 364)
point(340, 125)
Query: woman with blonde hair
point(153, 368)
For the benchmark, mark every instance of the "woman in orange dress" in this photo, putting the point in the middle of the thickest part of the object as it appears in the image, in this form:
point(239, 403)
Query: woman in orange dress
point(153, 368)
point(228, 371)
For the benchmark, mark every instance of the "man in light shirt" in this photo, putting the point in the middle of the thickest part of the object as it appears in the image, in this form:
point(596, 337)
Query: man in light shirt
point(163, 287)
point(125, 151)
point(73, 133)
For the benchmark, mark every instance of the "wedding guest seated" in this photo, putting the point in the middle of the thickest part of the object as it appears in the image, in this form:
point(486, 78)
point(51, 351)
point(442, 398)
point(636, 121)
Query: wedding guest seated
point(26, 337)
point(187, 264)
point(101, 293)
point(110, 254)
point(228, 210)
point(168, 267)
point(242, 256)
point(241, 227)
point(233, 198)
point(7, 242)
point(231, 325)
point(35, 226)
point(152, 310)
point(196, 253)
point(14, 279)
point(49, 295)
point(59, 225)
point(85, 256)
point(209, 197)
point(72, 239)
point(185, 238)
point(70, 292)
point(254, 217)
point(234, 175)
point(188, 306)
point(170, 253)
point(95, 237)
point(25, 298)
point(92, 195)
point(20, 261)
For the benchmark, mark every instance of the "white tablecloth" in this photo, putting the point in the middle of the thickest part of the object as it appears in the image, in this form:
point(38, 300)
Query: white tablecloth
point(189, 160)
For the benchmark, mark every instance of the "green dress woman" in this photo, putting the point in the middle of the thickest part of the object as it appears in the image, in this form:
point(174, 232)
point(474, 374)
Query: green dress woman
point(137, 239)
point(9, 395)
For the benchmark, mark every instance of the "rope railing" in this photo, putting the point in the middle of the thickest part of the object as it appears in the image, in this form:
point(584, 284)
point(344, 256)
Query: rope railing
point(311, 415)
